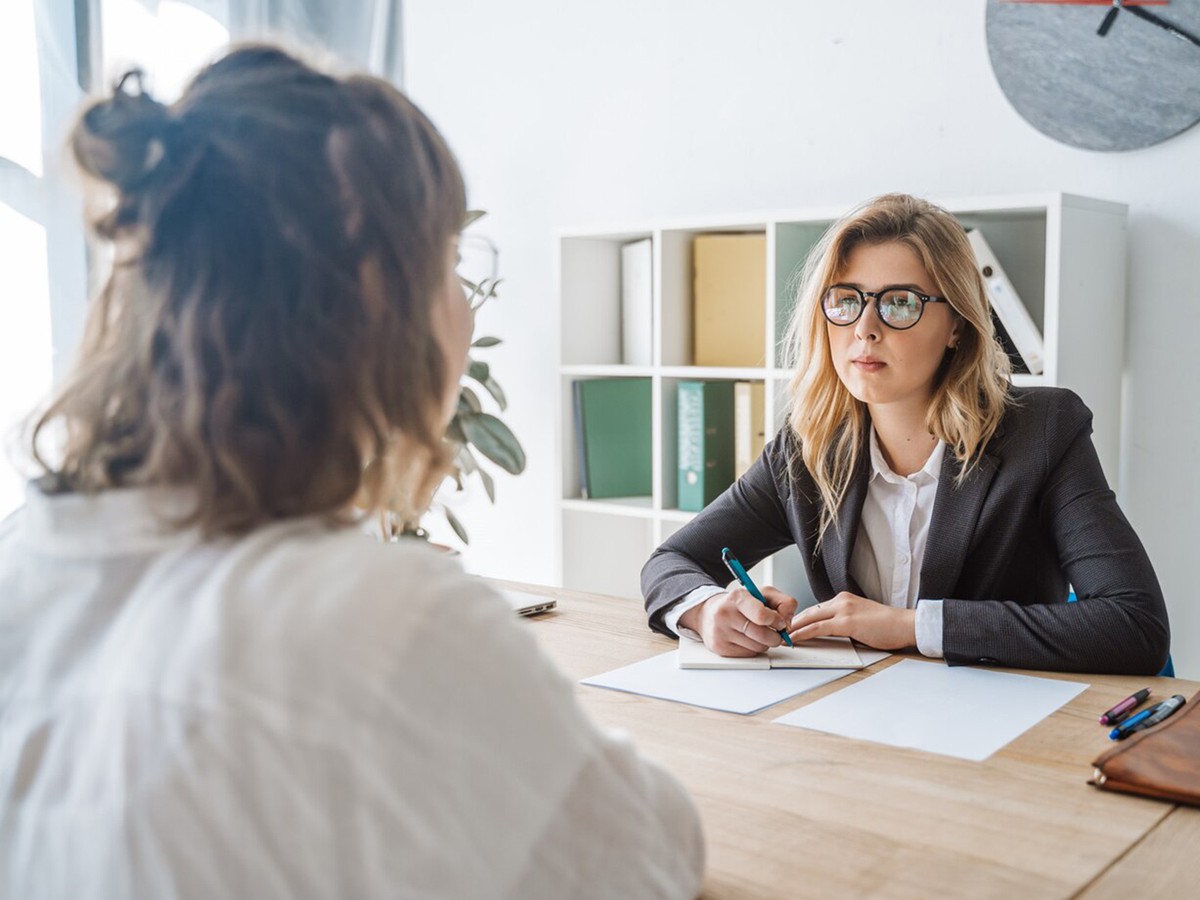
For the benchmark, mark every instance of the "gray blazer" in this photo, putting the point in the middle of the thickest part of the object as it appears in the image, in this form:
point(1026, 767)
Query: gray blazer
point(1035, 515)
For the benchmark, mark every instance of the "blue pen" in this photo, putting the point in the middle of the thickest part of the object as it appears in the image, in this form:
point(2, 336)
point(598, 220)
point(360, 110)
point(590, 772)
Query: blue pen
point(1130, 725)
point(743, 577)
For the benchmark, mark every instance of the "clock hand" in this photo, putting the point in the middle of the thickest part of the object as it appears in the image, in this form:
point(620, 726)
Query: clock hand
point(1164, 24)
point(1148, 16)
point(1109, 18)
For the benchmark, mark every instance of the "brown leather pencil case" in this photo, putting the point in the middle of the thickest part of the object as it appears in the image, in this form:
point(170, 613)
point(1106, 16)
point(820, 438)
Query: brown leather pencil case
point(1161, 762)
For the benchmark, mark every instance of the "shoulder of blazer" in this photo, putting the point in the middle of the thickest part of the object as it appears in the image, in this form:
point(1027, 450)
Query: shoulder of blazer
point(1039, 417)
point(786, 466)
point(790, 472)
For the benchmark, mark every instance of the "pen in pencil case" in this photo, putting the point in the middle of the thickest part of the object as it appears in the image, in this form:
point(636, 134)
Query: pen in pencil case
point(1130, 725)
point(1163, 711)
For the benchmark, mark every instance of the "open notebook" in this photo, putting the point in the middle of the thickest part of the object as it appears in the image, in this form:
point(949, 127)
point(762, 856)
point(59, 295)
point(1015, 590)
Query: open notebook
point(819, 653)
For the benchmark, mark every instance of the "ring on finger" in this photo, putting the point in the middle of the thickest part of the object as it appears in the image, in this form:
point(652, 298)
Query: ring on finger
point(745, 625)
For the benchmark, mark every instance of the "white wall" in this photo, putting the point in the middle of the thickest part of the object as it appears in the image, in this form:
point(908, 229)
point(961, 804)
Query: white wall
point(581, 114)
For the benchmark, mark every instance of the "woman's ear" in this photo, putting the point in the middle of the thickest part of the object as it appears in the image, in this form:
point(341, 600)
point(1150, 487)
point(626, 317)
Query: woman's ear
point(955, 333)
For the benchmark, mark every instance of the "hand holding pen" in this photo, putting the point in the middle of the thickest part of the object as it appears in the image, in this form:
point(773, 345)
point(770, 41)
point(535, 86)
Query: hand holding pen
point(736, 623)
point(743, 577)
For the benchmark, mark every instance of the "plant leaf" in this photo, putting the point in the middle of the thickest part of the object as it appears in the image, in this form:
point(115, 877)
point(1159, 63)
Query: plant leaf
point(484, 291)
point(495, 441)
point(489, 483)
point(486, 342)
point(470, 399)
point(454, 429)
point(470, 465)
point(497, 393)
point(456, 525)
point(466, 460)
point(478, 370)
point(473, 216)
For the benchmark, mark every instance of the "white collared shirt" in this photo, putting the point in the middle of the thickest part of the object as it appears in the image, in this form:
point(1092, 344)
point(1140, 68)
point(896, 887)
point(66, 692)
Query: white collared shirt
point(888, 550)
point(298, 712)
point(890, 545)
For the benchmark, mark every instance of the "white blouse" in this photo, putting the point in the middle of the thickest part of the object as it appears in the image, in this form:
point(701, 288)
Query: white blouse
point(301, 712)
point(890, 545)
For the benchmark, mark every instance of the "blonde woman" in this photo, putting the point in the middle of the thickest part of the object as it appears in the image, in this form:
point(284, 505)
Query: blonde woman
point(212, 684)
point(935, 506)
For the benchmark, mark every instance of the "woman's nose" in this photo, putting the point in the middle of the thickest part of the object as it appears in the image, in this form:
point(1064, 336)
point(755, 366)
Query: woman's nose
point(868, 327)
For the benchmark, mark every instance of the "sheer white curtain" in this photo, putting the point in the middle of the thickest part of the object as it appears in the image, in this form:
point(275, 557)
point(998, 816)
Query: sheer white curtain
point(43, 272)
point(365, 33)
point(170, 38)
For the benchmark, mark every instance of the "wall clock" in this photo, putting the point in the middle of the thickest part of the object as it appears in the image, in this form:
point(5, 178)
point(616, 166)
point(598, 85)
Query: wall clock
point(1099, 74)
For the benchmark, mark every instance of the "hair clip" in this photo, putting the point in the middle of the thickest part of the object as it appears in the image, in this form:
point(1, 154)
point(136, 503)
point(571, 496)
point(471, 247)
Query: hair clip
point(132, 75)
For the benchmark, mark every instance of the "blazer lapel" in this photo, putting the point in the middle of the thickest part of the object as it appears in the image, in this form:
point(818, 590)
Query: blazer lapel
point(955, 514)
point(838, 542)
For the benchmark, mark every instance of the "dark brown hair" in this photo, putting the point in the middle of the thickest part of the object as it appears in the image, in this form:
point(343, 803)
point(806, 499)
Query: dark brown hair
point(265, 338)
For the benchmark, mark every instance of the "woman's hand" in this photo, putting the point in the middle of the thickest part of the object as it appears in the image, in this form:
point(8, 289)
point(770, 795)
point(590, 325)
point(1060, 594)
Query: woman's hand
point(736, 624)
point(868, 622)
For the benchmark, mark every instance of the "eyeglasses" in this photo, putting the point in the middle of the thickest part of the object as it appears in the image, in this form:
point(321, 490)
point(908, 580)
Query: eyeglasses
point(478, 259)
point(898, 308)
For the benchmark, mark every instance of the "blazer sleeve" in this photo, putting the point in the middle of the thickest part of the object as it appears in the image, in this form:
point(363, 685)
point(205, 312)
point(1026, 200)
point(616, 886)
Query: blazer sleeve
point(749, 517)
point(1120, 623)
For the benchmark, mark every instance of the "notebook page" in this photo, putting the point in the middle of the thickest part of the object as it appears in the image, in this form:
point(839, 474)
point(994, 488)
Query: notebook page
point(820, 653)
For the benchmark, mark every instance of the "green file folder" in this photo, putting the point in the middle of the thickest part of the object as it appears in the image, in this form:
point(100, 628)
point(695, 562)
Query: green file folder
point(705, 442)
point(612, 429)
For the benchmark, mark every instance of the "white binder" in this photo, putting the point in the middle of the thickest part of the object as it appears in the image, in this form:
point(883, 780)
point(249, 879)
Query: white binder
point(1007, 304)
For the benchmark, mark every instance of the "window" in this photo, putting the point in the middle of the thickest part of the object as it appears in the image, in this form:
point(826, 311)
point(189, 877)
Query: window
point(43, 272)
point(169, 40)
point(21, 99)
point(25, 349)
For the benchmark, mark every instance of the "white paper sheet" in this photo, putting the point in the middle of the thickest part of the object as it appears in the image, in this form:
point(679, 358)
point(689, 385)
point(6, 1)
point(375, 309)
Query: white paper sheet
point(959, 711)
point(740, 691)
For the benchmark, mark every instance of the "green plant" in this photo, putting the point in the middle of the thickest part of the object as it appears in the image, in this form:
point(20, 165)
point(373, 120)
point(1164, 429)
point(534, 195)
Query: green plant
point(473, 429)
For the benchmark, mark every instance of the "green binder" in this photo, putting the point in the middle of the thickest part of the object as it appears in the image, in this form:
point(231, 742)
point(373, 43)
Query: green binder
point(705, 442)
point(612, 429)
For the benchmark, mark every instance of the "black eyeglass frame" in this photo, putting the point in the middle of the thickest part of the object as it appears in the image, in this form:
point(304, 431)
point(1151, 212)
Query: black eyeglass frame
point(865, 296)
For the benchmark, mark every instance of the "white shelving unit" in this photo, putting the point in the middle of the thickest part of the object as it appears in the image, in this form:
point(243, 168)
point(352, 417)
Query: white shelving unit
point(1065, 255)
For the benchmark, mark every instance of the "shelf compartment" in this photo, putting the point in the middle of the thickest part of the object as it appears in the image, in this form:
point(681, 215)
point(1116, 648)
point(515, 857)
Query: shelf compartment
point(604, 553)
point(677, 270)
point(590, 291)
point(793, 243)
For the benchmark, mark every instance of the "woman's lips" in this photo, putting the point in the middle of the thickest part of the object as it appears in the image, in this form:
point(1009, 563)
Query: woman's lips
point(868, 364)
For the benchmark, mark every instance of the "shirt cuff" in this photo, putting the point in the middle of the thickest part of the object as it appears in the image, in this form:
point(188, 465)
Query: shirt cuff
point(695, 598)
point(929, 628)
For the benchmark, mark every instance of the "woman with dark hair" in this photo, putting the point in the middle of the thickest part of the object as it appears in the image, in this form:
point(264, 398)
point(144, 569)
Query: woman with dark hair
point(211, 683)
point(935, 505)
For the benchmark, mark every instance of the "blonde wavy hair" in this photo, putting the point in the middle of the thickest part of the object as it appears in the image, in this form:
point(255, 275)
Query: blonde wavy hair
point(265, 339)
point(971, 391)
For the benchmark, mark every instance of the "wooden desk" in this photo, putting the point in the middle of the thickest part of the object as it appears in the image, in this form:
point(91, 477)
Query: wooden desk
point(797, 813)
